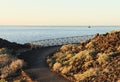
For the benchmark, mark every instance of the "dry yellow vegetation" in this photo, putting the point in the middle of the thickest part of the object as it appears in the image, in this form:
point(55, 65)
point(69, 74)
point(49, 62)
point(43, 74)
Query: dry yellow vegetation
point(93, 60)
point(9, 64)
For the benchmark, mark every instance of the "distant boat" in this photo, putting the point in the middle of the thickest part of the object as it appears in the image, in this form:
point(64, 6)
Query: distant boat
point(89, 26)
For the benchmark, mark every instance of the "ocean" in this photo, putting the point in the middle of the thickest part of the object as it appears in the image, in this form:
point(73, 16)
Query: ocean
point(25, 34)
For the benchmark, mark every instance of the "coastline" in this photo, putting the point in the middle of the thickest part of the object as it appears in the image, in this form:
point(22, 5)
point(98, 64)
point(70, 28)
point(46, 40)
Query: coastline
point(59, 41)
point(37, 67)
point(35, 58)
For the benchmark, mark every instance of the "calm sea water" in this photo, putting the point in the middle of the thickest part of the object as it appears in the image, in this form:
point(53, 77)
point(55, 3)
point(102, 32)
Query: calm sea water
point(22, 34)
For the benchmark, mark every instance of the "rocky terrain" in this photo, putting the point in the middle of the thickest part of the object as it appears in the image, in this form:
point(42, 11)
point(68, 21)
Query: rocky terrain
point(11, 45)
point(94, 60)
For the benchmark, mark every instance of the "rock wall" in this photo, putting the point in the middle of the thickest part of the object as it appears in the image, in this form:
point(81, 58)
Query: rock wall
point(59, 41)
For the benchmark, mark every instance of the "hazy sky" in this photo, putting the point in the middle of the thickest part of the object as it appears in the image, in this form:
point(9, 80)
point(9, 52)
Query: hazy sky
point(59, 12)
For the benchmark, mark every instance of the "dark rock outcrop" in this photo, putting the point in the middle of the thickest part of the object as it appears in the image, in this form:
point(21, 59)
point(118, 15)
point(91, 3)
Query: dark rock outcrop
point(12, 45)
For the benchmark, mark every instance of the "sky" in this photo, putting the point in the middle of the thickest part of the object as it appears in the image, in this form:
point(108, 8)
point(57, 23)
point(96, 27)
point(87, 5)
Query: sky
point(60, 12)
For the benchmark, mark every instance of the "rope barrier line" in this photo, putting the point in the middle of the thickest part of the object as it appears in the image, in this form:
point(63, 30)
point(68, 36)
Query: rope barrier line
point(59, 41)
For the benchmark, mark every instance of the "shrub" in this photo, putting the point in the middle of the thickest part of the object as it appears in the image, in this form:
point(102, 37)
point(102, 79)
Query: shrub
point(88, 63)
point(7, 51)
point(17, 64)
point(64, 48)
point(86, 55)
point(106, 70)
point(118, 48)
point(89, 45)
point(118, 81)
point(56, 66)
point(9, 65)
point(89, 73)
point(5, 59)
point(102, 58)
point(66, 70)
point(4, 51)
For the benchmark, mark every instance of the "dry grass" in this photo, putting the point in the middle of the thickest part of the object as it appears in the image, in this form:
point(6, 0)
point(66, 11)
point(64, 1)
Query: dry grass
point(89, 73)
point(106, 70)
point(8, 63)
point(102, 58)
point(90, 45)
point(26, 77)
point(113, 31)
point(11, 68)
point(96, 57)
point(118, 81)
point(87, 64)
point(4, 60)
point(17, 64)
point(3, 50)
point(118, 48)
point(66, 70)
point(56, 66)
point(86, 55)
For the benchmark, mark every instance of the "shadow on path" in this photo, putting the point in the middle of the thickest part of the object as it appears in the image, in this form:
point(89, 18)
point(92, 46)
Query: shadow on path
point(37, 67)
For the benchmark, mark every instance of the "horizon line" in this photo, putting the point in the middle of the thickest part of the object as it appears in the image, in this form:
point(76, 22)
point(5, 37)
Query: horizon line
point(63, 25)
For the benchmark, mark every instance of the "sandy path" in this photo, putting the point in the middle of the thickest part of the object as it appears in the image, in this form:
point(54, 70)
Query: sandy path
point(37, 66)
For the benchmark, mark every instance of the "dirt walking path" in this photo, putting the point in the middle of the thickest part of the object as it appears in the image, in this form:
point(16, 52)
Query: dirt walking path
point(37, 67)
